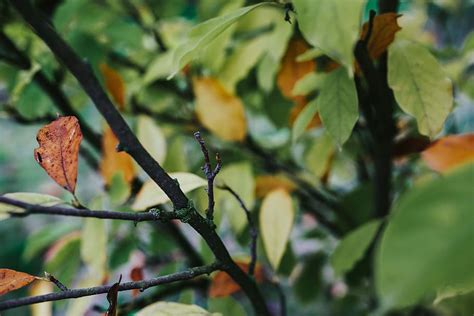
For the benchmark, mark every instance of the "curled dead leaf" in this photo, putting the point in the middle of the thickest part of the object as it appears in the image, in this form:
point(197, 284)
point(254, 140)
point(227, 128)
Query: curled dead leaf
point(223, 285)
point(59, 149)
point(449, 152)
point(11, 280)
point(112, 296)
point(219, 110)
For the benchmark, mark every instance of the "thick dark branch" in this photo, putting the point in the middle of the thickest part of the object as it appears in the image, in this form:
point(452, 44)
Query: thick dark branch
point(252, 227)
point(31, 209)
point(142, 285)
point(210, 175)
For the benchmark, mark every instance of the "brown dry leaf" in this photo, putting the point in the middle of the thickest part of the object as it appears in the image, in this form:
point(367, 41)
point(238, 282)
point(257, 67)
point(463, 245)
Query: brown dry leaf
point(266, 184)
point(59, 149)
point(113, 161)
point(450, 152)
point(219, 110)
point(136, 274)
point(291, 71)
point(11, 280)
point(114, 84)
point(295, 111)
point(383, 33)
point(112, 296)
point(223, 285)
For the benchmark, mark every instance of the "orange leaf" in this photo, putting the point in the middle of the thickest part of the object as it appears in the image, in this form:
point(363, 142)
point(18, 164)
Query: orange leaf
point(11, 280)
point(136, 275)
point(223, 285)
point(450, 152)
point(219, 110)
point(291, 71)
point(266, 184)
point(383, 33)
point(113, 161)
point(114, 84)
point(59, 149)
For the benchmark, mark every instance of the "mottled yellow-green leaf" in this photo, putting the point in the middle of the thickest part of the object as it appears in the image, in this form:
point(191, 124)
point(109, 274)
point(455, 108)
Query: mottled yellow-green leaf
point(152, 138)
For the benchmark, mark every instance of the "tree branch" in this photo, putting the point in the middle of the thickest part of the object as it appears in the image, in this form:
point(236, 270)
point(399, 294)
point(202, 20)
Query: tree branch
point(31, 209)
point(142, 285)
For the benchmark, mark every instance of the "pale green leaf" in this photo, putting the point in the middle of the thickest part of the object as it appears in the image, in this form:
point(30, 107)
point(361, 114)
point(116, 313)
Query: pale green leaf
point(159, 68)
point(152, 138)
point(309, 54)
point(303, 119)
point(338, 105)
point(228, 306)
point(238, 176)
point(318, 156)
point(353, 246)
point(174, 309)
point(308, 83)
point(427, 245)
point(27, 197)
point(420, 85)
point(276, 221)
point(203, 34)
point(151, 194)
point(332, 26)
point(266, 71)
point(94, 246)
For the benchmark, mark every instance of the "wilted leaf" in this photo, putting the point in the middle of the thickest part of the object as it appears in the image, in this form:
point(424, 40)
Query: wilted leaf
point(151, 194)
point(420, 85)
point(427, 244)
point(32, 198)
point(450, 152)
point(112, 161)
point(205, 33)
point(59, 149)
point(218, 110)
point(353, 246)
point(174, 309)
point(331, 26)
point(383, 33)
point(266, 184)
point(338, 105)
point(276, 221)
point(11, 280)
point(292, 71)
point(114, 84)
point(39, 288)
point(304, 119)
point(223, 285)
point(152, 138)
point(112, 296)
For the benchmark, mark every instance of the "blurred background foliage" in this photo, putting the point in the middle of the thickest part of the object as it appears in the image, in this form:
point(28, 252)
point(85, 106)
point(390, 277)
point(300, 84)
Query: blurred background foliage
point(134, 39)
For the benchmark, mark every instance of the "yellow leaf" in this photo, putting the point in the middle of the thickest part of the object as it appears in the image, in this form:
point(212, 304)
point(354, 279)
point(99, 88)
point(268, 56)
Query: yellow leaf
point(276, 221)
point(266, 184)
point(383, 33)
point(113, 161)
point(152, 138)
point(151, 194)
point(291, 70)
point(218, 110)
point(39, 288)
point(450, 152)
point(114, 84)
point(58, 150)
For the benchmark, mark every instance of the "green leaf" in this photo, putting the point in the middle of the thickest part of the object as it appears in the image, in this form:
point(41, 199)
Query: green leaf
point(65, 260)
point(308, 282)
point(353, 246)
point(205, 33)
point(152, 138)
point(159, 68)
point(238, 176)
point(173, 309)
point(308, 83)
point(338, 105)
point(332, 26)
point(276, 221)
point(27, 197)
point(427, 245)
point(151, 194)
point(303, 119)
point(318, 156)
point(228, 306)
point(94, 246)
point(420, 85)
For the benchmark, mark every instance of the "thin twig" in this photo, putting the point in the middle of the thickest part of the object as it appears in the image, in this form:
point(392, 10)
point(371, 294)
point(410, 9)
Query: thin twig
point(58, 283)
point(210, 175)
point(141, 285)
point(31, 209)
point(252, 227)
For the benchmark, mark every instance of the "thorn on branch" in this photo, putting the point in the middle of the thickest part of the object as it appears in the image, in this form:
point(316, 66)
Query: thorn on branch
point(210, 175)
point(253, 228)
